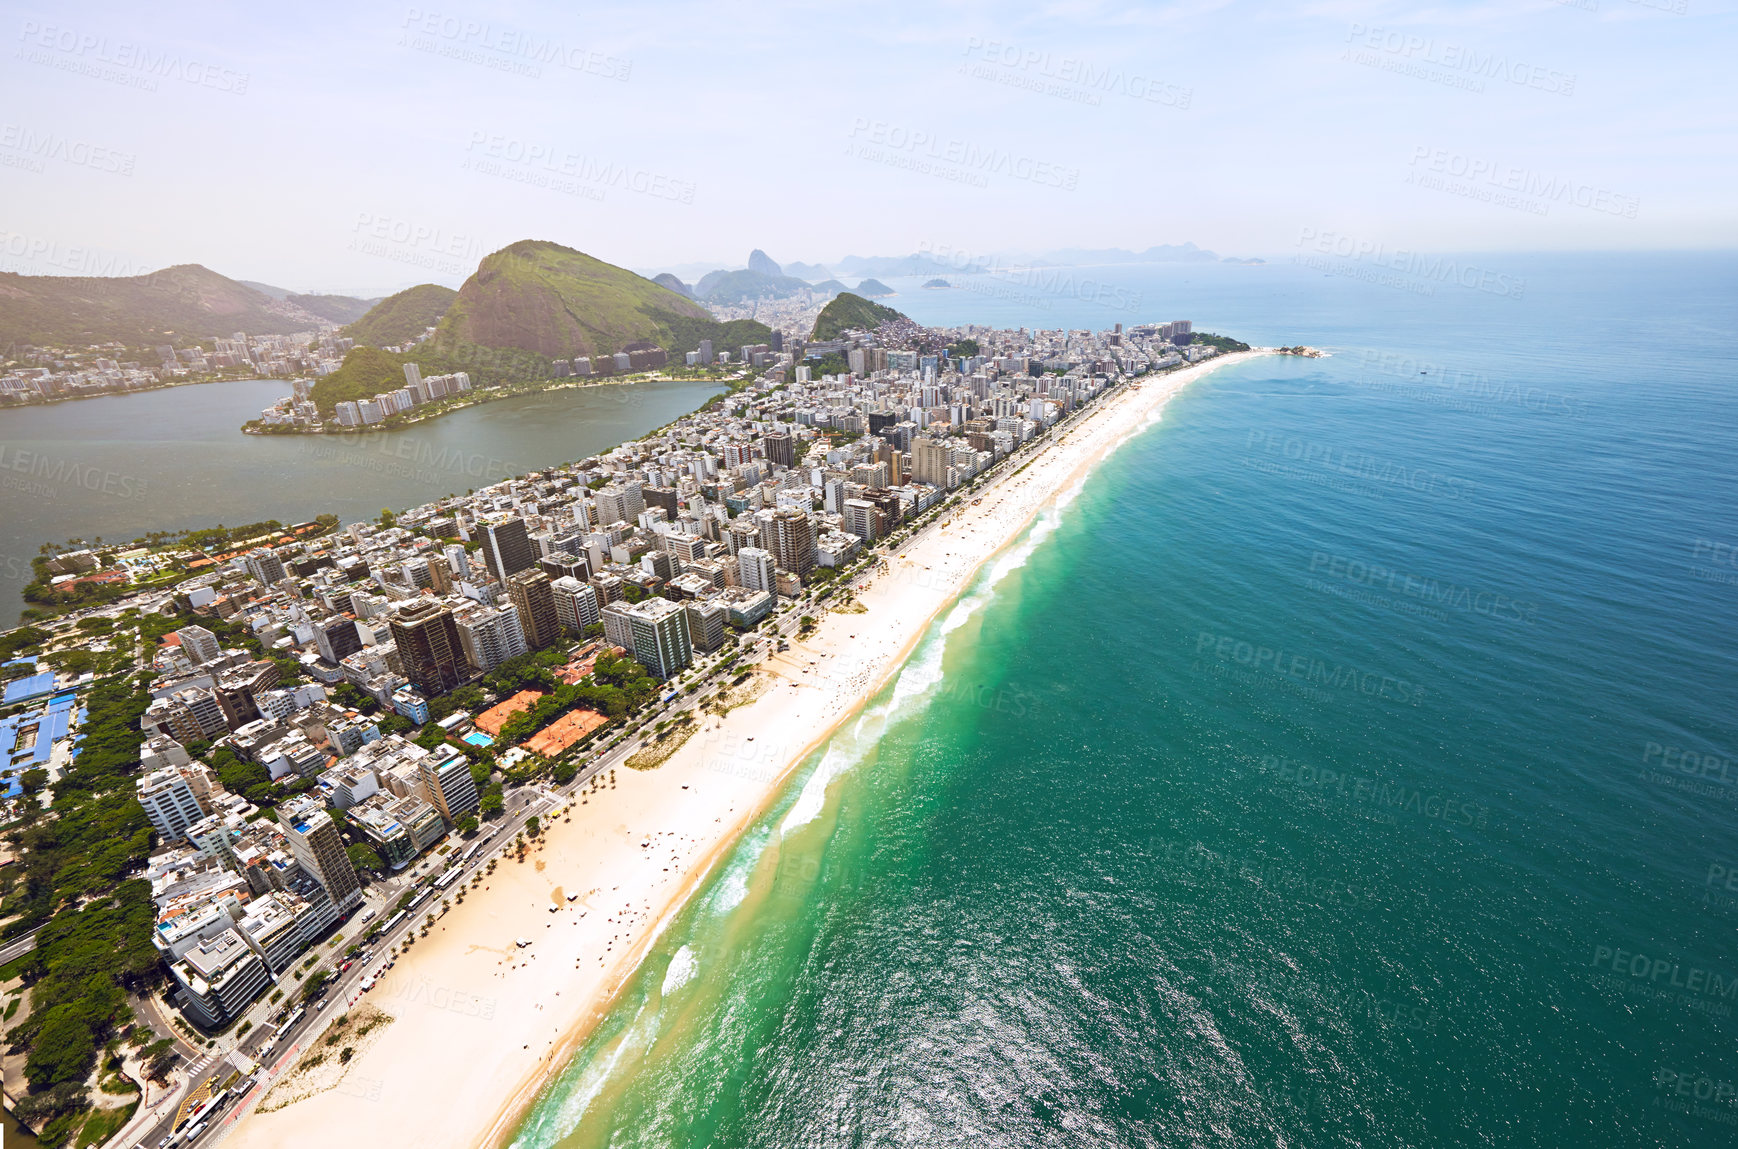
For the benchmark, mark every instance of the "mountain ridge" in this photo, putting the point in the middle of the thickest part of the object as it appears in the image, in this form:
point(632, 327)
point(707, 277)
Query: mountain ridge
point(175, 304)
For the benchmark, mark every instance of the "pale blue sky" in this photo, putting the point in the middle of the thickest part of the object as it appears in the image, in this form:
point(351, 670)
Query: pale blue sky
point(367, 146)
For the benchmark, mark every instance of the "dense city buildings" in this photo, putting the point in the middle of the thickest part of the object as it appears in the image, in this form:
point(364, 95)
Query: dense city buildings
point(349, 679)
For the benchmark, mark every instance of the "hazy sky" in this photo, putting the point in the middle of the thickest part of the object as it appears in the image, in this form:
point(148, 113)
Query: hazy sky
point(366, 146)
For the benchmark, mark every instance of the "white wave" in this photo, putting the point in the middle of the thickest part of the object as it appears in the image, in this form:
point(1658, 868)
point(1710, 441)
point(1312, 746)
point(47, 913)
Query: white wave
point(681, 971)
point(731, 890)
point(916, 678)
point(584, 1091)
point(981, 593)
point(733, 886)
point(813, 799)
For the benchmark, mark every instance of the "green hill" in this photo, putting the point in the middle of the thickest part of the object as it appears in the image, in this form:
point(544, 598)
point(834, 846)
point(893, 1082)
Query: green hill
point(366, 372)
point(402, 317)
point(553, 301)
point(847, 311)
point(177, 305)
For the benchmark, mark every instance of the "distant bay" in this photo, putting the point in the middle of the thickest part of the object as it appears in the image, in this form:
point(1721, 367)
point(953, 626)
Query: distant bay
point(119, 466)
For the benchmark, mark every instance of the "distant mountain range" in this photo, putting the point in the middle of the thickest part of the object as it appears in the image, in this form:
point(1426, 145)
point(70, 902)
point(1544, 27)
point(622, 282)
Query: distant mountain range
point(175, 305)
point(333, 308)
point(877, 265)
point(932, 263)
point(1162, 253)
point(741, 286)
point(538, 300)
point(763, 278)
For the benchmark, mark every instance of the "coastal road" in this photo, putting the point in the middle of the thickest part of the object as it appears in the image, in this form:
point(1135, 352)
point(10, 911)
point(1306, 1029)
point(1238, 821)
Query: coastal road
point(19, 947)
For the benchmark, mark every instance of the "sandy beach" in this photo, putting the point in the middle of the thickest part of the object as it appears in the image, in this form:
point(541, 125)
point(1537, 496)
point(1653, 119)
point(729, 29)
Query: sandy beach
point(479, 1022)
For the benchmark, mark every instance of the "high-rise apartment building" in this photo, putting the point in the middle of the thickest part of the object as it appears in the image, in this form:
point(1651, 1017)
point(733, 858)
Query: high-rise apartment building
point(507, 548)
point(337, 638)
point(440, 575)
point(863, 519)
point(490, 635)
point(742, 533)
point(265, 565)
point(446, 779)
point(535, 601)
point(661, 639)
point(199, 644)
point(618, 626)
point(221, 975)
point(792, 535)
point(930, 461)
point(889, 454)
point(706, 619)
point(170, 803)
point(429, 647)
point(317, 846)
point(194, 715)
point(620, 503)
point(780, 449)
point(576, 604)
point(684, 547)
point(757, 570)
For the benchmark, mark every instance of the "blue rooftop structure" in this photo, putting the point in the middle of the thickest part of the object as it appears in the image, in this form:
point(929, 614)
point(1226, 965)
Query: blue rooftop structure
point(27, 688)
point(45, 728)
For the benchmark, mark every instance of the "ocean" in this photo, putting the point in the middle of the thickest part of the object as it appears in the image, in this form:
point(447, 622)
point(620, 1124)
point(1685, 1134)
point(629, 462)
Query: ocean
point(1348, 761)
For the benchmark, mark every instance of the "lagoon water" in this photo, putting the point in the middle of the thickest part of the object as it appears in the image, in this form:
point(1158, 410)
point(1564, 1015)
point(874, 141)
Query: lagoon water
point(120, 466)
point(1348, 762)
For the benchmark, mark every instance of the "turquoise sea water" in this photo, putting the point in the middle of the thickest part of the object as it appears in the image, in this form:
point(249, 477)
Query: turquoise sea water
point(1347, 762)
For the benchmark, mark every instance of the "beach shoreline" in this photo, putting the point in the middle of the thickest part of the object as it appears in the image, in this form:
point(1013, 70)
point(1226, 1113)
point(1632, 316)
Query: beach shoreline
point(633, 856)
